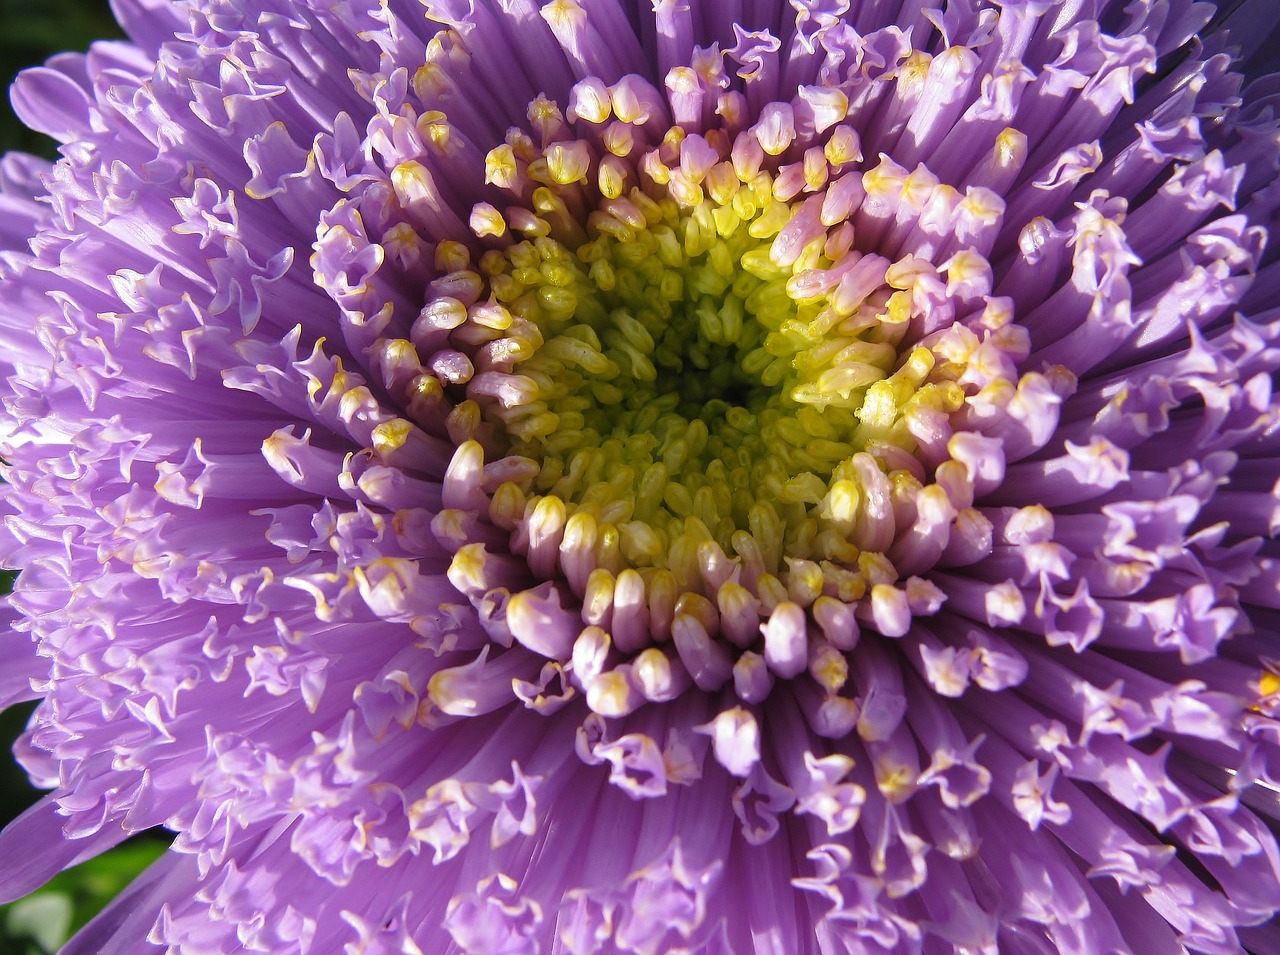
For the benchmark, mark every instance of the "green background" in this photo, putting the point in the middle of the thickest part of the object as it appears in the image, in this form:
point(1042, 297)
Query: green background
point(30, 31)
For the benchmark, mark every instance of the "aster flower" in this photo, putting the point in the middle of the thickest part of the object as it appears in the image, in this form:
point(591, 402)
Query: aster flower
point(600, 476)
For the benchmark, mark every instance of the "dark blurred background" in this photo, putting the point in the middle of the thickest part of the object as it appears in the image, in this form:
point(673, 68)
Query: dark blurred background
point(30, 32)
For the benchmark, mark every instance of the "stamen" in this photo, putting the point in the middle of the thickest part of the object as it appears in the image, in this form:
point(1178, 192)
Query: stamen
point(711, 414)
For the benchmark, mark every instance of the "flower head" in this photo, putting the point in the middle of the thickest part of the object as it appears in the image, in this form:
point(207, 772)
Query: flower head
point(607, 477)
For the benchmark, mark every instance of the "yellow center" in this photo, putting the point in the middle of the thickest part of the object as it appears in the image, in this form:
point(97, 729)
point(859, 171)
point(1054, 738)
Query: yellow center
point(719, 392)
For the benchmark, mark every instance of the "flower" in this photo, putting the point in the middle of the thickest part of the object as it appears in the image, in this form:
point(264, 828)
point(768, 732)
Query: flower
point(692, 477)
